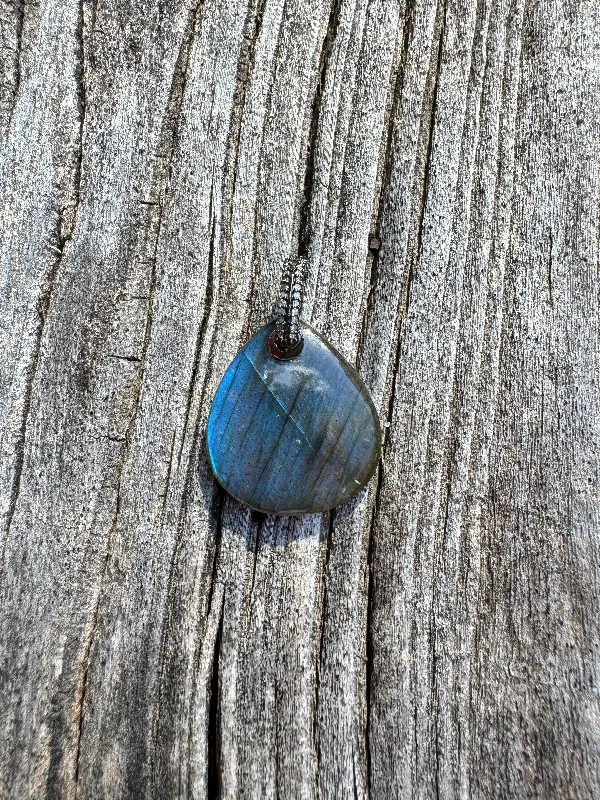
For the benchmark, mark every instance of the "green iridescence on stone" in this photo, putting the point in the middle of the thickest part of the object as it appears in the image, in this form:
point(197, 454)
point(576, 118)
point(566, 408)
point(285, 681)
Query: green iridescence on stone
point(292, 437)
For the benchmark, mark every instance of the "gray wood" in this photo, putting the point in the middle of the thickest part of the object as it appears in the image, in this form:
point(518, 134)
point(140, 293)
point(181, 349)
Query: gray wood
point(439, 635)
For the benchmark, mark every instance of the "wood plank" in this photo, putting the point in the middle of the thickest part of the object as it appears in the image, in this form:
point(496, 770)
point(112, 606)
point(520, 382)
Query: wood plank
point(477, 630)
point(438, 635)
point(86, 369)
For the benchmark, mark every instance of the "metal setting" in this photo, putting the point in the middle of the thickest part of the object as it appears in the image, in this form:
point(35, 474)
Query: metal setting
point(283, 355)
point(286, 340)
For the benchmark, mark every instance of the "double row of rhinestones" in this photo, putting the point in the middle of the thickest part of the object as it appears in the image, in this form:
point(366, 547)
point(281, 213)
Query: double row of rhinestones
point(287, 328)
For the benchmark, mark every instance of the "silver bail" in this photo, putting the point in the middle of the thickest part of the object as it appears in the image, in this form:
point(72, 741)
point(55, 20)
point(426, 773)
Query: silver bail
point(286, 340)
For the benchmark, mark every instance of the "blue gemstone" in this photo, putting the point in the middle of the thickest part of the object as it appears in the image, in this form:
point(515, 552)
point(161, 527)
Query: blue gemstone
point(292, 437)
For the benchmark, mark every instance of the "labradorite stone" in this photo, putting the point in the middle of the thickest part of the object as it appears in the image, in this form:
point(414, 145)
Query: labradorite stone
point(292, 437)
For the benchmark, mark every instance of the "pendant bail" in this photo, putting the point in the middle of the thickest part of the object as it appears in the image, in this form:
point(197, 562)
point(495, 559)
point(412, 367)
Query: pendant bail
point(286, 340)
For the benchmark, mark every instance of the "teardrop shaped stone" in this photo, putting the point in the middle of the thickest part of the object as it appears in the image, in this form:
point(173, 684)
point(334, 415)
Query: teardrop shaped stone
point(292, 437)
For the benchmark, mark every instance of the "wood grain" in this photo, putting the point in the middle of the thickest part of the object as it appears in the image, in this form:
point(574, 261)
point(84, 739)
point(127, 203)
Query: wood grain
point(438, 635)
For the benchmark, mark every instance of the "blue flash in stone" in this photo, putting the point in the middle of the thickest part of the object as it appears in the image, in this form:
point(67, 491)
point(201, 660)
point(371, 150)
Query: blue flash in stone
point(296, 436)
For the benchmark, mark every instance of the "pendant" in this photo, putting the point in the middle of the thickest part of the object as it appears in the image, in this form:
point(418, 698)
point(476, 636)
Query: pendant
point(292, 428)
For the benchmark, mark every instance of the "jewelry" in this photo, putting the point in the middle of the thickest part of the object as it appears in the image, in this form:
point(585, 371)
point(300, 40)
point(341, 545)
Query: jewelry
point(292, 428)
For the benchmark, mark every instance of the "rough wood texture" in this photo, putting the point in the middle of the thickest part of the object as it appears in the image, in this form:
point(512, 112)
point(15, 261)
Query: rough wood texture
point(439, 636)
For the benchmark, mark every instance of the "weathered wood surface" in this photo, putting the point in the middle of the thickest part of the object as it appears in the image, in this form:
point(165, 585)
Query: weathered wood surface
point(439, 637)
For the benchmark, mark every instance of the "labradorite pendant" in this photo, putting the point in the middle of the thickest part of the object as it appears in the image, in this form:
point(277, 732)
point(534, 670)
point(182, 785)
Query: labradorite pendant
point(296, 434)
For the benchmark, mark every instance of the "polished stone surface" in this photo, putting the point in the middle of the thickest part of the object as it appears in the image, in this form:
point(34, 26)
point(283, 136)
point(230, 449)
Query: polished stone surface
point(291, 437)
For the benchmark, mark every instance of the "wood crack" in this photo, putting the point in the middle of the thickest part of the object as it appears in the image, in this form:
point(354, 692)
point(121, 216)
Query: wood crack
point(424, 193)
point(134, 359)
point(435, 700)
point(252, 31)
point(168, 480)
point(208, 302)
point(18, 7)
point(62, 237)
point(369, 622)
point(354, 784)
point(375, 240)
point(398, 85)
point(214, 779)
point(415, 258)
point(259, 174)
point(89, 645)
point(82, 106)
point(261, 521)
point(42, 308)
point(213, 783)
point(319, 664)
point(304, 225)
point(550, 268)
point(253, 28)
